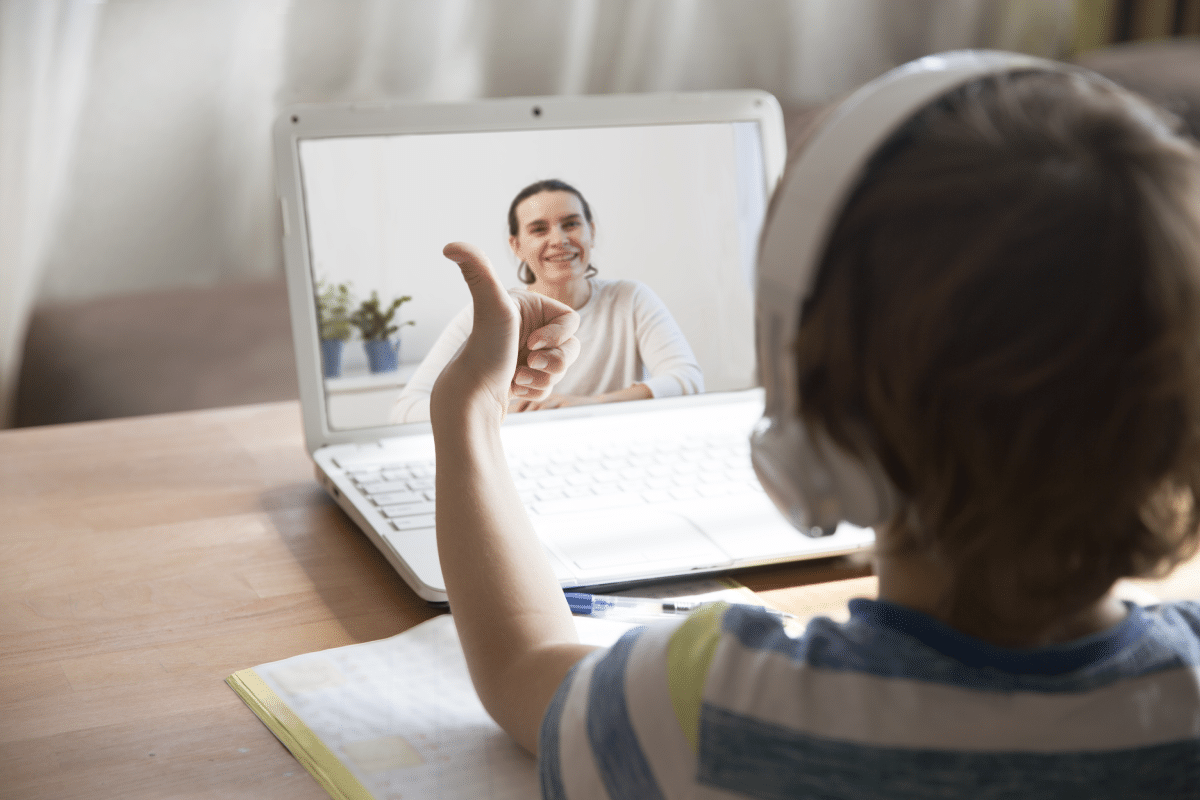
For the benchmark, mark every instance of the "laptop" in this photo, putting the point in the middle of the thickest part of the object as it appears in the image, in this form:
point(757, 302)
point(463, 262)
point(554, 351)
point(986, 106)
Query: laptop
point(678, 186)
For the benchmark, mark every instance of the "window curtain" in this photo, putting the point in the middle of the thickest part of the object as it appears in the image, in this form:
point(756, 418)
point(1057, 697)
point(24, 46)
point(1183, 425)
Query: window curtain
point(804, 51)
point(172, 184)
point(45, 50)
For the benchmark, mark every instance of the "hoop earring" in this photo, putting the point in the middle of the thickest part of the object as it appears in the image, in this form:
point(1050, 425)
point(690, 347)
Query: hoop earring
point(525, 274)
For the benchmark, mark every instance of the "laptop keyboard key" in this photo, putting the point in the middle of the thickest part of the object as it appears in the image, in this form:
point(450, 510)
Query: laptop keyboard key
point(408, 509)
point(378, 487)
point(413, 523)
point(392, 498)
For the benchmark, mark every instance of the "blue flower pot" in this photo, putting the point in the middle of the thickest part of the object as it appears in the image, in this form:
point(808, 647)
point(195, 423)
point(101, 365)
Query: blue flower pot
point(331, 357)
point(382, 355)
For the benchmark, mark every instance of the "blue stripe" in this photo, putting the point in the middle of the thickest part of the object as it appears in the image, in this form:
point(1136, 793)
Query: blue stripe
point(887, 640)
point(549, 752)
point(1050, 660)
point(619, 759)
point(761, 760)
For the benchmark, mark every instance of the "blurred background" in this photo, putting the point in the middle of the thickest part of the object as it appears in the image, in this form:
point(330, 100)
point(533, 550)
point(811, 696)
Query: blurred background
point(140, 260)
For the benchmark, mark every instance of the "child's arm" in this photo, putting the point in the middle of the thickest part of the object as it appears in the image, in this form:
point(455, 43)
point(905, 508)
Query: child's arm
point(513, 620)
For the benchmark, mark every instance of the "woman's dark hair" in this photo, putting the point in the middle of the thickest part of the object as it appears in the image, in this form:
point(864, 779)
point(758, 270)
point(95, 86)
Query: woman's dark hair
point(549, 185)
point(1009, 307)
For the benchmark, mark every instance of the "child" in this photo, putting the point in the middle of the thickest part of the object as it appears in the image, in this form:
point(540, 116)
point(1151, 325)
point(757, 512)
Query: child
point(1003, 333)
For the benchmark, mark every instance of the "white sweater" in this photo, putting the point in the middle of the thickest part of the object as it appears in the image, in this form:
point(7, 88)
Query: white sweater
point(626, 336)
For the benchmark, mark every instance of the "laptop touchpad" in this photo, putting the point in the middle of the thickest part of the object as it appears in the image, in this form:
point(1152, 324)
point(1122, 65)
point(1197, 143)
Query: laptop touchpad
point(638, 541)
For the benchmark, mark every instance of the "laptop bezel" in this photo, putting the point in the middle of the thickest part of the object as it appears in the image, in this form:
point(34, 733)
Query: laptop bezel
point(298, 123)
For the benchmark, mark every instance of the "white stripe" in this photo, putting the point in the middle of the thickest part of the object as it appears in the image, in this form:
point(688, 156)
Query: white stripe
point(581, 780)
point(901, 712)
point(652, 715)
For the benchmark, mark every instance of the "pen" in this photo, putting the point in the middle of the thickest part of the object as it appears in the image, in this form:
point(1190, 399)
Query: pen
point(626, 608)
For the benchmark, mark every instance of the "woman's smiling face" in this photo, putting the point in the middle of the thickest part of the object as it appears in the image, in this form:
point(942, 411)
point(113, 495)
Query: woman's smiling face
point(553, 237)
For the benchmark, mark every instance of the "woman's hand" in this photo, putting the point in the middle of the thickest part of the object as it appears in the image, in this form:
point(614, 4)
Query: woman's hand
point(520, 345)
point(638, 391)
point(553, 400)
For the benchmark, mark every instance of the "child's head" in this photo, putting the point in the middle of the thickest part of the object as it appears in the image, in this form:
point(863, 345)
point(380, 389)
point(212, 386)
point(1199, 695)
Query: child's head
point(1009, 307)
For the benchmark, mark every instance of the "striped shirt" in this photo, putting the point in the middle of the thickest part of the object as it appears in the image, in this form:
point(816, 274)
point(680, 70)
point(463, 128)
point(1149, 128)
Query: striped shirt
point(892, 704)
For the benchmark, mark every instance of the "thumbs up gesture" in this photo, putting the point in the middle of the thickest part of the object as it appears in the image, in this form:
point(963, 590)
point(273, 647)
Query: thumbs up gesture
point(521, 344)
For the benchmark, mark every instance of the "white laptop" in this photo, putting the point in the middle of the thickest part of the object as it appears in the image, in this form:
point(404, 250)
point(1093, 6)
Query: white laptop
point(677, 185)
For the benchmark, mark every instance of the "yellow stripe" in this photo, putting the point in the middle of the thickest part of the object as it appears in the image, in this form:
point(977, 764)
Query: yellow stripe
point(310, 751)
point(689, 655)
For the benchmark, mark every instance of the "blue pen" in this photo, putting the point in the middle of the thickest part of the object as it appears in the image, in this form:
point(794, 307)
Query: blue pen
point(628, 608)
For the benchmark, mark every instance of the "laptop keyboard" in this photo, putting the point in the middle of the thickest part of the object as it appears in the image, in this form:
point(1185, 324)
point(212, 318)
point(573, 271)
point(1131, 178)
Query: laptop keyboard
point(583, 479)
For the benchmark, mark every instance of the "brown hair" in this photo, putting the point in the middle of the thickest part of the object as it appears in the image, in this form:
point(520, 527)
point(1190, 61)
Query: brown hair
point(1009, 307)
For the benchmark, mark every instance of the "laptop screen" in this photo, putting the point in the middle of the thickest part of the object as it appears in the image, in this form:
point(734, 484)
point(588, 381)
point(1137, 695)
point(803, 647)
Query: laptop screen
point(676, 209)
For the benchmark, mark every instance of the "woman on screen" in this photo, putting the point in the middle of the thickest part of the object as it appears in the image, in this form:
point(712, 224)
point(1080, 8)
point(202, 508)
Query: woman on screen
point(630, 346)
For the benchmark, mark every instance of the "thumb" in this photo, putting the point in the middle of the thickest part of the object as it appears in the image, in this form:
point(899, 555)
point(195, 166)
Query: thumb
point(487, 295)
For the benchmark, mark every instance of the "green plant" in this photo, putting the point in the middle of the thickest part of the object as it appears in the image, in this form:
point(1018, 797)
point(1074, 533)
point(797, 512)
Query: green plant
point(374, 322)
point(333, 310)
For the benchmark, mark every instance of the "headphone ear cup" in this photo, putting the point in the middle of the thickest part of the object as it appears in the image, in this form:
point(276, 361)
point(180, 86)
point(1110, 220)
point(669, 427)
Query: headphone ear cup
point(814, 482)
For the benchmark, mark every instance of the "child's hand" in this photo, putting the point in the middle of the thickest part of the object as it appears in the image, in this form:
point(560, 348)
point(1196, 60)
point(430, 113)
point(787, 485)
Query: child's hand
point(521, 343)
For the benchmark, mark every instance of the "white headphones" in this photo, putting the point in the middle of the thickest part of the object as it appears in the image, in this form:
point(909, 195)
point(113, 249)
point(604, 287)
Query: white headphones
point(813, 481)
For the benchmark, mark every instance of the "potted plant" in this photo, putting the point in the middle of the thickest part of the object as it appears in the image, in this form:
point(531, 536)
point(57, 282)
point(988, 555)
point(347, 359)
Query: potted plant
point(374, 323)
point(333, 324)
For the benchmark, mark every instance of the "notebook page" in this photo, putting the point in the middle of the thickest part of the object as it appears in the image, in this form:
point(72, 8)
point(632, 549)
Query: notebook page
point(402, 717)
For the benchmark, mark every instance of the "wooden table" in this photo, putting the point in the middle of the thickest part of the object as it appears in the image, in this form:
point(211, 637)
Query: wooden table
point(144, 560)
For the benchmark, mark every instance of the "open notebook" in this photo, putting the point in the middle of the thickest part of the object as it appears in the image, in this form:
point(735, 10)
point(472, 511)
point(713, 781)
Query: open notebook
point(399, 717)
point(678, 187)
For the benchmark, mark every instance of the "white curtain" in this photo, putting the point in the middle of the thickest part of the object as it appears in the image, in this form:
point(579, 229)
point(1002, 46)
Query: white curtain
point(804, 51)
point(171, 182)
point(45, 48)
